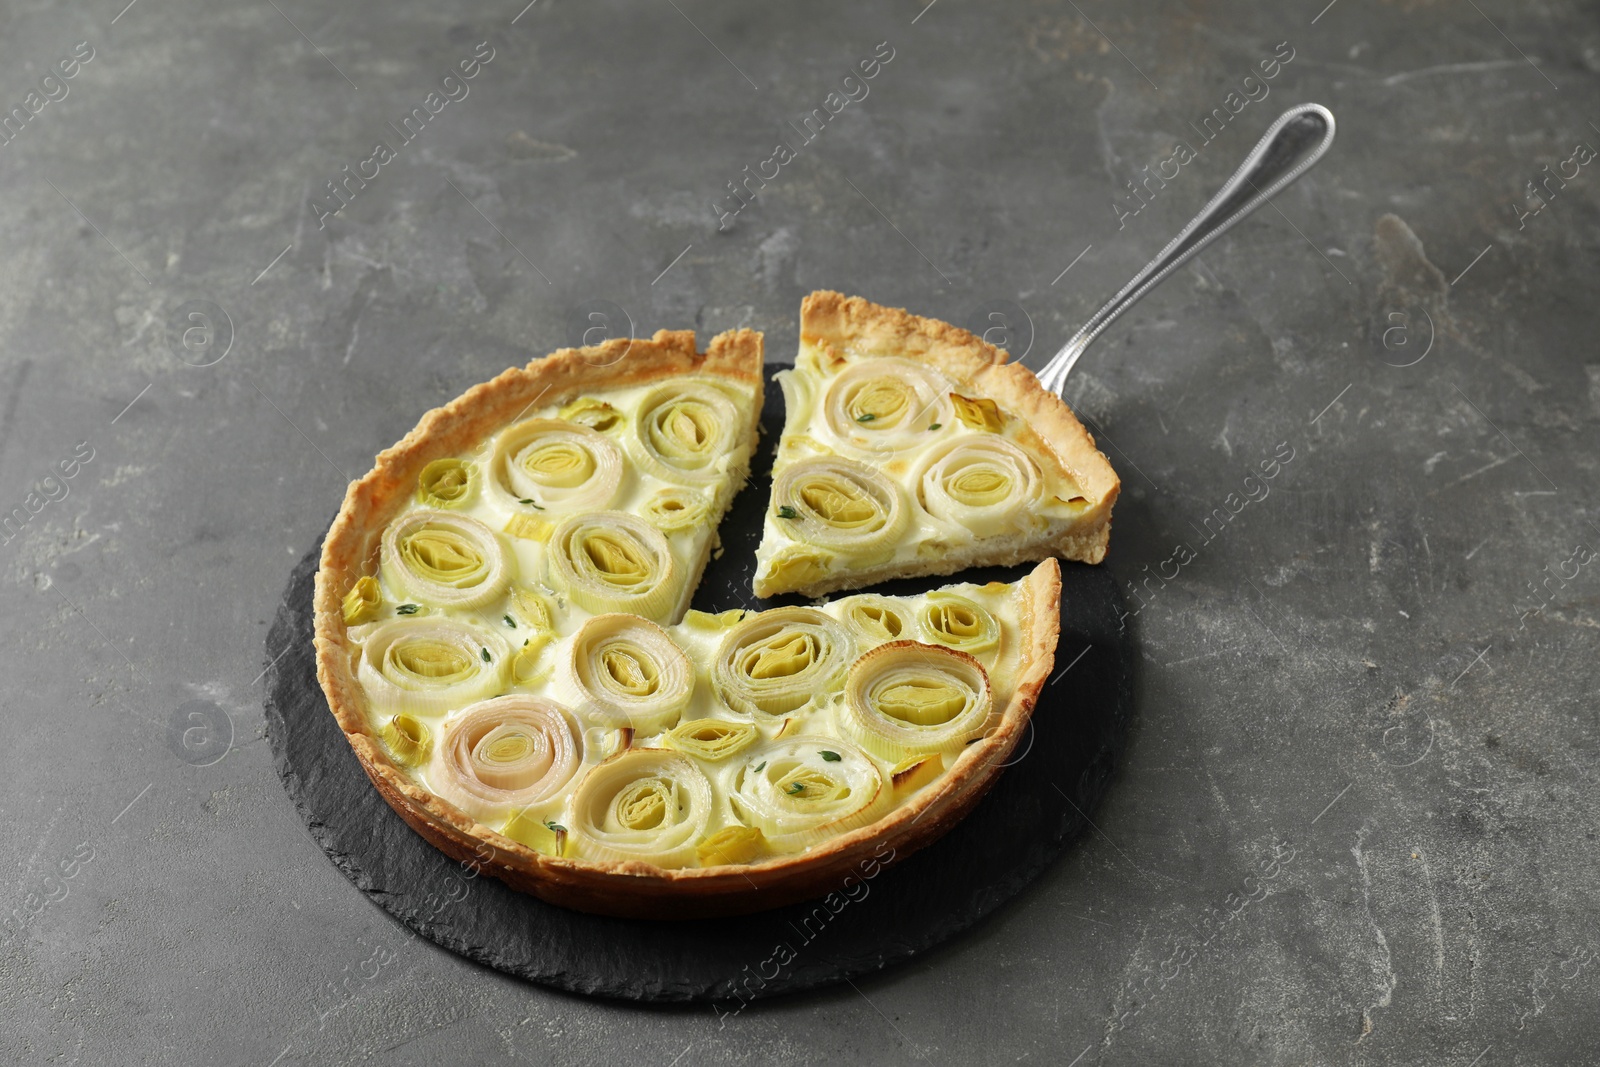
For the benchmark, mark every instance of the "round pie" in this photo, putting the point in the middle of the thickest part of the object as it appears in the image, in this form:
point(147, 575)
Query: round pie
point(502, 632)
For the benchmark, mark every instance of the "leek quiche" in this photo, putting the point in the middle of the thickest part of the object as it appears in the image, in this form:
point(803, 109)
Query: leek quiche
point(911, 447)
point(502, 633)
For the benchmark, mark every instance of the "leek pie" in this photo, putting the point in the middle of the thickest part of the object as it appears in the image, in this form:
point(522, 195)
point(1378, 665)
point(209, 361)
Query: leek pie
point(502, 633)
point(910, 447)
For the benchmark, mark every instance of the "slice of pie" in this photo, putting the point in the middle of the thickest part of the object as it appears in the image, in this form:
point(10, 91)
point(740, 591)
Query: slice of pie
point(500, 634)
point(911, 447)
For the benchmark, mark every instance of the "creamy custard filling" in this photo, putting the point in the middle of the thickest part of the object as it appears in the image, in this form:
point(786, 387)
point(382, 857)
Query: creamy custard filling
point(881, 682)
point(885, 462)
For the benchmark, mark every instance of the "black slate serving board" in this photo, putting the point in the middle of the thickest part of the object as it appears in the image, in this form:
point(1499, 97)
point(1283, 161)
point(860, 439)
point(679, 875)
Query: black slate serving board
point(1037, 807)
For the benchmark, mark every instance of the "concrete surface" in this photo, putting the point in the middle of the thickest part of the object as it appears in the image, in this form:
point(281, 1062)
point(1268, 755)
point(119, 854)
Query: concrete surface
point(1357, 820)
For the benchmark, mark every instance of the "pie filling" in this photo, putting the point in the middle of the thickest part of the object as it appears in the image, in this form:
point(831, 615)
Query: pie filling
point(887, 466)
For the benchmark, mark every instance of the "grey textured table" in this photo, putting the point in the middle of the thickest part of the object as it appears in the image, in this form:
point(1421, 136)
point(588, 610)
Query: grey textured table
point(1357, 820)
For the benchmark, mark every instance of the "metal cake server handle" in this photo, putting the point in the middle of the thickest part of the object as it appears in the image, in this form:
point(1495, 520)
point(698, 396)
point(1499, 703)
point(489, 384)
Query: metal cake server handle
point(1287, 150)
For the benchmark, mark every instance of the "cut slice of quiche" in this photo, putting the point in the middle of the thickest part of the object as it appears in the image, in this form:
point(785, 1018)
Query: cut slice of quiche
point(911, 447)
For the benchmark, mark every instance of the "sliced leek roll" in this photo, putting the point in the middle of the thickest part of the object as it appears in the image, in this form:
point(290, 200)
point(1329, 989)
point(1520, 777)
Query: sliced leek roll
point(684, 429)
point(600, 743)
point(630, 673)
point(533, 610)
point(677, 508)
point(914, 772)
point(979, 413)
point(535, 620)
point(711, 739)
point(839, 504)
point(952, 620)
point(426, 664)
point(529, 527)
point(886, 404)
point(361, 602)
point(793, 567)
point(557, 465)
point(527, 667)
point(595, 414)
point(780, 660)
point(802, 791)
point(984, 484)
point(648, 804)
point(731, 844)
point(905, 698)
point(706, 622)
point(445, 560)
point(799, 403)
point(408, 739)
point(875, 619)
point(611, 561)
point(504, 754)
point(447, 483)
point(540, 834)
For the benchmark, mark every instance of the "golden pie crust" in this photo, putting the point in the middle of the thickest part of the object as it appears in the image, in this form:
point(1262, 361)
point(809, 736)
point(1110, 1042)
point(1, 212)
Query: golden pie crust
point(633, 889)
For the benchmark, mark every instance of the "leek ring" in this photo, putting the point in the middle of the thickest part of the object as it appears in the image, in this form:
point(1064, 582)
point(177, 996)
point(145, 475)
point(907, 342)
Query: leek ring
point(799, 796)
point(630, 673)
point(533, 609)
point(612, 561)
point(360, 604)
point(595, 414)
point(840, 504)
point(649, 805)
point(952, 620)
point(984, 484)
point(904, 699)
point(557, 465)
point(409, 740)
point(780, 660)
point(426, 664)
point(980, 413)
point(447, 483)
point(886, 404)
point(677, 508)
point(446, 560)
point(731, 845)
point(875, 619)
point(501, 755)
point(711, 739)
point(684, 429)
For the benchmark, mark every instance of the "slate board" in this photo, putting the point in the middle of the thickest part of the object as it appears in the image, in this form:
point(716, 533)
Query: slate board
point(1023, 824)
